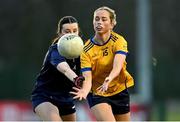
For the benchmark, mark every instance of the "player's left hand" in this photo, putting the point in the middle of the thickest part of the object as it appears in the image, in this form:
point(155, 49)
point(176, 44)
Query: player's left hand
point(104, 87)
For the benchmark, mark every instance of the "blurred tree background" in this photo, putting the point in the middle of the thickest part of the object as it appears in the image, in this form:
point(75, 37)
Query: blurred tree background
point(27, 28)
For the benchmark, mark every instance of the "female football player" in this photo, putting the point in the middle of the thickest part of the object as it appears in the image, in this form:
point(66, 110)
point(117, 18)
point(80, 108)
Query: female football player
point(104, 67)
point(50, 97)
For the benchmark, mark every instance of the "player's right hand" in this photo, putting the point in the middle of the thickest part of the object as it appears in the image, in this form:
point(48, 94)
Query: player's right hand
point(79, 93)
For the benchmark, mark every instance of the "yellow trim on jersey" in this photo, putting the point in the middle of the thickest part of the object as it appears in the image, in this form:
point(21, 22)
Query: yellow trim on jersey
point(99, 60)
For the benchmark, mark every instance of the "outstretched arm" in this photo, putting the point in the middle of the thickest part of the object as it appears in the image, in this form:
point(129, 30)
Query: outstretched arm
point(117, 66)
point(64, 68)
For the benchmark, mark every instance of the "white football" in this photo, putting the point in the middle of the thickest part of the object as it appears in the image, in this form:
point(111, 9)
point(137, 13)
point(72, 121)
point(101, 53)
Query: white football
point(70, 46)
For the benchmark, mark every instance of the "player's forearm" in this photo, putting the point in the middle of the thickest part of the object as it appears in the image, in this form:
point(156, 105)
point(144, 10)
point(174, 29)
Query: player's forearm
point(117, 66)
point(87, 84)
point(114, 73)
point(66, 70)
point(70, 74)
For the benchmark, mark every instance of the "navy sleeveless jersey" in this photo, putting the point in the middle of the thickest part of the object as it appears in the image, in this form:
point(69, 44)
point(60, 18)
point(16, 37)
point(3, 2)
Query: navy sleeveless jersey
point(49, 78)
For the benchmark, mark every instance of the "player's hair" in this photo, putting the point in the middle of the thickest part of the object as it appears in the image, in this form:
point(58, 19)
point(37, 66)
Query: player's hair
point(111, 13)
point(62, 21)
point(65, 20)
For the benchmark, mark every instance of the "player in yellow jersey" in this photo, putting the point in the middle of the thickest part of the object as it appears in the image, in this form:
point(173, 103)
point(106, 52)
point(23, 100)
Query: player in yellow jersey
point(104, 67)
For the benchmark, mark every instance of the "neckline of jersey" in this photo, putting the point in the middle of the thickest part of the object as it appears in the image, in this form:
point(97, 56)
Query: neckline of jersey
point(93, 41)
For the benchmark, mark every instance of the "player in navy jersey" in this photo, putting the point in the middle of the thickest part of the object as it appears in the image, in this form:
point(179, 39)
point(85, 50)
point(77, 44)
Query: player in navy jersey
point(50, 97)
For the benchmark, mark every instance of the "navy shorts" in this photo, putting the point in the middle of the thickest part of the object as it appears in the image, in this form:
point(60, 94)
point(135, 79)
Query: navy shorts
point(64, 102)
point(120, 102)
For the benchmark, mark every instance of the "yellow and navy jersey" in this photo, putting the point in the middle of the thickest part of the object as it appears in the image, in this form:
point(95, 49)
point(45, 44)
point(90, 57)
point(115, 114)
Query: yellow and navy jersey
point(99, 60)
